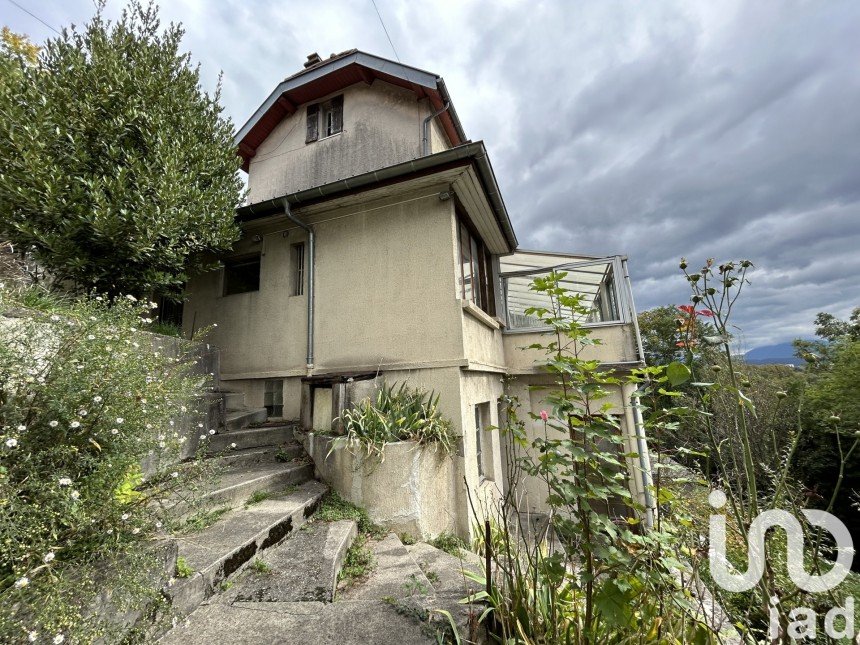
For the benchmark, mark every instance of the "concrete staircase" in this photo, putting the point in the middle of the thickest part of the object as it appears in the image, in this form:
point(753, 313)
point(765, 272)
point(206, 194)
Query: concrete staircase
point(264, 491)
point(291, 598)
point(265, 570)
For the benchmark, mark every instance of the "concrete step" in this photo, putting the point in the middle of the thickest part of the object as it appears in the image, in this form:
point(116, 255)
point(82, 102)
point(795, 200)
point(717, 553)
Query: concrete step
point(303, 568)
point(261, 455)
point(396, 574)
point(374, 622)
point(235, 486)
point(250, 438)
point(234, 401)
point(238, 419)
point(223, 549)
point(445, 571)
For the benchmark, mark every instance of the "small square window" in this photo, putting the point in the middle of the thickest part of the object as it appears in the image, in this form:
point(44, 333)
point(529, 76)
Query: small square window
point(242, 275)
point(324, 119)
point(273, 398)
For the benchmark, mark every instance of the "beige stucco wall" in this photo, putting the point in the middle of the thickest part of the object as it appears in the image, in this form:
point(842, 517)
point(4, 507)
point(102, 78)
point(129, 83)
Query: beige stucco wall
point(382, 126)
point(532, 492)
point(617, 345)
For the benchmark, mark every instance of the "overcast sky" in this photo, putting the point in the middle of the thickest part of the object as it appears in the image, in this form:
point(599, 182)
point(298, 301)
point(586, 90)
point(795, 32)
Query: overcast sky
point(658, 129)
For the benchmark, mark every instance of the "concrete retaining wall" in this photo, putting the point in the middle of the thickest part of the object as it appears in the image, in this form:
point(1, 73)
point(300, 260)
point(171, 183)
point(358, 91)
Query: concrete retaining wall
point(413, 490)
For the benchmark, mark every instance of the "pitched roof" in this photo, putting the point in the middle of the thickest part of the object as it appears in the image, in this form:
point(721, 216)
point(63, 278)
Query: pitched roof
point(335, 73)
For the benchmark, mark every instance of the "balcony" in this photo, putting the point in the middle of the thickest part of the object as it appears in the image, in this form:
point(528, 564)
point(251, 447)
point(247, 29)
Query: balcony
point(608, 296)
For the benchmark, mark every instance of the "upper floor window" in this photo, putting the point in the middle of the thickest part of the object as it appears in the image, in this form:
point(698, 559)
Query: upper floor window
point(325, 118)
point(242, 275)
point(476, 274)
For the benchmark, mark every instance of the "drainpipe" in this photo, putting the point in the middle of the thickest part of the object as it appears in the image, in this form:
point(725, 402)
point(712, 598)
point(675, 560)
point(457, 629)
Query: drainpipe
point(310, 231)
point(425, 141)
point(644, 461)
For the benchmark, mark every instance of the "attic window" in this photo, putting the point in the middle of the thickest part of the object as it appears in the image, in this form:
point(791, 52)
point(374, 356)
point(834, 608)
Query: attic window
point(325, 118)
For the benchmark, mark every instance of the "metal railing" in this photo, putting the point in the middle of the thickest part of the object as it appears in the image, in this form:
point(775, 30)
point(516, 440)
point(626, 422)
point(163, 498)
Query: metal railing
point(603, 282)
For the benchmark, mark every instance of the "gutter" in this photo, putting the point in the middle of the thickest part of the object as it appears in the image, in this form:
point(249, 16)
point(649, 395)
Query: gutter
point(310, 231)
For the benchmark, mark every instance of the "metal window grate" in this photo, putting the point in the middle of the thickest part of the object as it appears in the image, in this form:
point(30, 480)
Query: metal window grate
point(298, 253)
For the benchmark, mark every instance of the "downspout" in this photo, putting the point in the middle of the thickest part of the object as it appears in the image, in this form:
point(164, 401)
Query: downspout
point(425, 136)
point(644, 461)
point(310, 231)
point(638, 423)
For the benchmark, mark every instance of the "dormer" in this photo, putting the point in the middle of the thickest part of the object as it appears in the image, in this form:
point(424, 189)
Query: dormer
point(343, 116)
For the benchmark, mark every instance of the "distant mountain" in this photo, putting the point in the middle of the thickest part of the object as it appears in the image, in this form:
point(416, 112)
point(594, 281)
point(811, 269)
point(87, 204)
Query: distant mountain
point(782, 353)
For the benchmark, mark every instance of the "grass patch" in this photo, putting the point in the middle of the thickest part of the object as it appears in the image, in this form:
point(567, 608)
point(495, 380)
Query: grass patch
point(333, 508)
point(183, 569)
point(226, 585)
point(449, 543)
point(261, 567)
point(203, 519)
point(407, 539)
point(359, 561)
point(257, 496)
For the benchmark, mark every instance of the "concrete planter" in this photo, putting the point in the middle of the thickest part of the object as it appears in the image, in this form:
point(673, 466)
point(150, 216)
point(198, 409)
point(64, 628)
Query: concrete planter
point(414, 490)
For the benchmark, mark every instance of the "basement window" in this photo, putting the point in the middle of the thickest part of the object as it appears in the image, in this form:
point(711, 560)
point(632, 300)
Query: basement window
point(242, 275)
point(273, 397)
point(324, 119)
point(297, 256)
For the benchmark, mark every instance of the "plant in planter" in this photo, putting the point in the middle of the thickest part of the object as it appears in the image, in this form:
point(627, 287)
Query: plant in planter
point(396, 414)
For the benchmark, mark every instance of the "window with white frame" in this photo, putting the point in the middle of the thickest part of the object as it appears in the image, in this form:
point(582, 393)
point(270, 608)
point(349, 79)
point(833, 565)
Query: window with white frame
point(483, 442)
point(324, 119)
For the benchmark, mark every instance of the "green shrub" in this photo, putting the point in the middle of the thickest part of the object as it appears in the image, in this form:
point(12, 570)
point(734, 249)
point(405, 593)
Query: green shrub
point(401, 414)
point(89, 446)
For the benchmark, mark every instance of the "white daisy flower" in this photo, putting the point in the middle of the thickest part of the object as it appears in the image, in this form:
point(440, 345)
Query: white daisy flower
point(203, 437)
point(11, 442)
point(90, 337)
point(49, 556)
point(119, 419)
point(232, 445)
point(174, 474)
point(23, 581)
point(158, 525)
point(114, 431)
point(53, 424)
point(212, 431)
point(22, 428)
point(75, 424)
point(124, 516)
point(97, 399)
point(55, 318)
point(75, 494)
point(59, 638)
point(135, 531)
point(33, 637)
point(64, 481)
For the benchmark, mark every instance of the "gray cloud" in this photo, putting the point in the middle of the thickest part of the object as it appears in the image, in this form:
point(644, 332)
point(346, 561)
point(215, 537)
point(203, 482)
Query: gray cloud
point(702, 129)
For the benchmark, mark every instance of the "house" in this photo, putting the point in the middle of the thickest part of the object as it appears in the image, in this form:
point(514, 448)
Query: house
point(376, 242)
